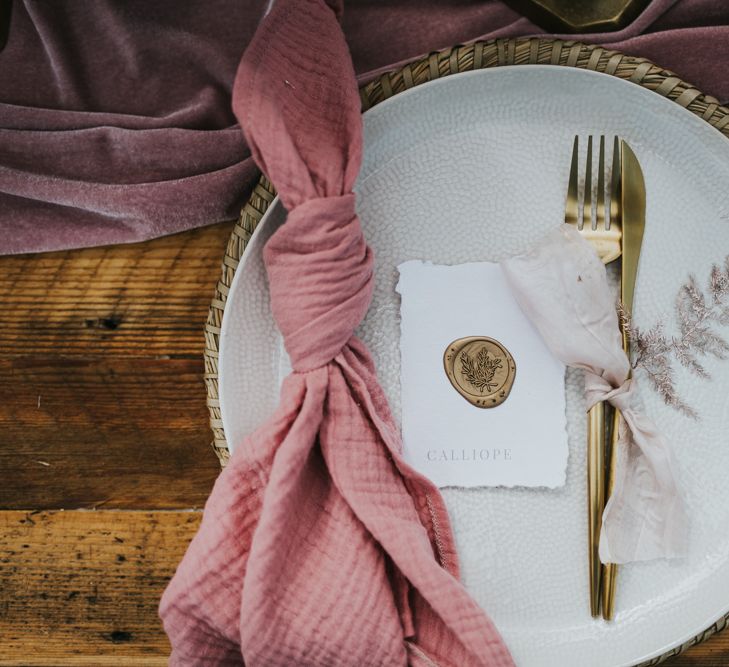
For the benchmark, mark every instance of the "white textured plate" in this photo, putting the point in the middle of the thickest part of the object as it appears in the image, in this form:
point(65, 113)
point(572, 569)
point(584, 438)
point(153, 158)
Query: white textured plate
point(474, 167)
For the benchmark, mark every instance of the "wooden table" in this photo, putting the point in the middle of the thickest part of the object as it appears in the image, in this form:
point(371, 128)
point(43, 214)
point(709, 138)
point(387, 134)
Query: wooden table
point(105, 461)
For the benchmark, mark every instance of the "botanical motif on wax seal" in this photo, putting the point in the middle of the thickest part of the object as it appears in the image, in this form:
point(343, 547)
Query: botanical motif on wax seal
point(480, 369)
point(480, 372)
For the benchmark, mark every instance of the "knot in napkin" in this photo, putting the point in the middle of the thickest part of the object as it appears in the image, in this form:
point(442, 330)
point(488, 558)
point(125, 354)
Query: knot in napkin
point(561, 286)
point(320, 276)
point(319, 545)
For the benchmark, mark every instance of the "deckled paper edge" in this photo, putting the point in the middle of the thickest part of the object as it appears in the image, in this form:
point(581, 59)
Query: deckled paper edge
point(562, 398)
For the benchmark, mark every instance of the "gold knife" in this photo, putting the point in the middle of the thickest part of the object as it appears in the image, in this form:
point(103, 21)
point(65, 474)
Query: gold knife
point(632, 209)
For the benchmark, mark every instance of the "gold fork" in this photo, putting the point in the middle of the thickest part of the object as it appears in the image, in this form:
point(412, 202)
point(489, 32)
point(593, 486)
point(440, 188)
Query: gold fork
point(604, 232)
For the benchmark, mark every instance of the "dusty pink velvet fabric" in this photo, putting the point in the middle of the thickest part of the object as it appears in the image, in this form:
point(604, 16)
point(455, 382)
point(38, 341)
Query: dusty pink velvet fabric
point(115, 118)
point(318, 544)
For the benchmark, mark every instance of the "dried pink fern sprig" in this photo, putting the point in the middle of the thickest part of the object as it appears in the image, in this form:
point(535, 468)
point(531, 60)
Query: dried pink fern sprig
point(699, 313)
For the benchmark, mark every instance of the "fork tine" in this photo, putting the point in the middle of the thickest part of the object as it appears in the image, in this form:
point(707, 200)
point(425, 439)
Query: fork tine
point(587, 207)
point(571, 211)
point(600, 213)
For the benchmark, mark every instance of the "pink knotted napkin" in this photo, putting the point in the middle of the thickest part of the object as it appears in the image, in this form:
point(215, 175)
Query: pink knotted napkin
point(318, 544)
point(562, 287)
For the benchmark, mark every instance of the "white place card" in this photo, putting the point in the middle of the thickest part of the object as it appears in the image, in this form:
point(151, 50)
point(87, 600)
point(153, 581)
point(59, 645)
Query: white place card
point(521, 442)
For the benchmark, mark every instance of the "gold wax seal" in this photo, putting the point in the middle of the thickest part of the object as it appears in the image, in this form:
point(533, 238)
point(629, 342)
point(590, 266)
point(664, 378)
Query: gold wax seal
point(481, 370)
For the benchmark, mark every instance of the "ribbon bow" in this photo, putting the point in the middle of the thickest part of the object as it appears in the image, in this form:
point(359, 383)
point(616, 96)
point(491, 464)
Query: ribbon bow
point(561, 286)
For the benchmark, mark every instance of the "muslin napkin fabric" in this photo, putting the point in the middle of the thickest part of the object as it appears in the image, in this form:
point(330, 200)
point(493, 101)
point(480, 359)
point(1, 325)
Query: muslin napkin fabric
point(561, 285)
point(318, 544)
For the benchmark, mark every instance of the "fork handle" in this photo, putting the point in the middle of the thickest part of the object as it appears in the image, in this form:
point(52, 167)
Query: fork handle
point(595, 497)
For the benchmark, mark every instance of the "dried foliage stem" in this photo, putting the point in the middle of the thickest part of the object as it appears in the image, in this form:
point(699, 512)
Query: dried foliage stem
point(699, 315)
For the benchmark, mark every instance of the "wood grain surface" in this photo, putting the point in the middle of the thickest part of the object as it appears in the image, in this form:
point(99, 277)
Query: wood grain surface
point(92, 432)
point(102, 401)
point(82, 587)
point(102, 405)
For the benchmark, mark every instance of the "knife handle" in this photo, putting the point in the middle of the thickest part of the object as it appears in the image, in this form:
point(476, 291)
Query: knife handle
point(595, 497)
point(610, 570)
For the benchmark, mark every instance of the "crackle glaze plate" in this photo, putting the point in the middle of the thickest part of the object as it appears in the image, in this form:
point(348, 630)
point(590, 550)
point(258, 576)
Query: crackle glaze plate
point(474, 167)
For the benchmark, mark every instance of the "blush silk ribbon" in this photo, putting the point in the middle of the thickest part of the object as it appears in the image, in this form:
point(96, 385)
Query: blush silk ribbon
point(561, 286)
point(319, 545)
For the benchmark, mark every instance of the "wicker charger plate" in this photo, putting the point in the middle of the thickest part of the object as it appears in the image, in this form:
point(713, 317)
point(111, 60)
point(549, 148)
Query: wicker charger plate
point(458, 59)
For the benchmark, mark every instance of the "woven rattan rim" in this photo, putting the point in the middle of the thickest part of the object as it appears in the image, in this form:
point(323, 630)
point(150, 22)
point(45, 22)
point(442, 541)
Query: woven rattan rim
point(461, 58)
